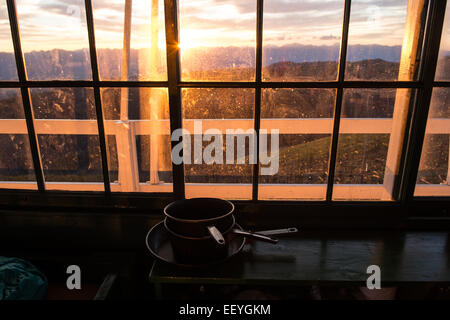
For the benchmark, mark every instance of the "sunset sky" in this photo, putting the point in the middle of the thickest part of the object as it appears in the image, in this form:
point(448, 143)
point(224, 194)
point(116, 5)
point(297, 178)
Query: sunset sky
point(49, 24)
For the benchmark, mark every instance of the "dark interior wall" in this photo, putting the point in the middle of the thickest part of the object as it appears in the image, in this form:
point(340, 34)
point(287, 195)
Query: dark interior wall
point(68, 230)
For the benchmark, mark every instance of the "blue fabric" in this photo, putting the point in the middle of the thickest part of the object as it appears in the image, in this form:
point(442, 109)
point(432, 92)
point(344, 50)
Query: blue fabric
point(20, 280)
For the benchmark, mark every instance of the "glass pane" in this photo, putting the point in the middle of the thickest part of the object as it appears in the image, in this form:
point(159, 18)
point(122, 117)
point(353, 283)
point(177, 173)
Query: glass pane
point(375, 39)
point(370, 126)
point(301, 40)
point(434, 171)
point(217, 40)
point(63, 103)
point(15, 160)
point(443, 67)
point(71, 158)
point(70, 150)
point(147, 49)
point(11, 106)
point(154, 162)
point(8, 70)
point(137, 123)
point(304, 119)
point(54, 39)
point(15, 157)
point(210, 170)
point(361, 158)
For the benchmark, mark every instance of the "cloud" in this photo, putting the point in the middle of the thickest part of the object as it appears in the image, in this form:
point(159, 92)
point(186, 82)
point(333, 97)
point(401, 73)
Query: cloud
point(306, 7)
point(47, 23)
point(330, 37)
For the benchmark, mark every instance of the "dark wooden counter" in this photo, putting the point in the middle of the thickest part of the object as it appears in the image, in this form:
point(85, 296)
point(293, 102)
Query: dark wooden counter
point(404, 257)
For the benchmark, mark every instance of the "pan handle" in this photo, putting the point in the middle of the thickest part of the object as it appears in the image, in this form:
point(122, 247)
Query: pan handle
point(278, 231)
point(255, 236)
point(216, 234)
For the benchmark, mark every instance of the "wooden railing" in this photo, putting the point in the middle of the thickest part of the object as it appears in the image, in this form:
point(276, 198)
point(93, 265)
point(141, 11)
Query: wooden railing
point(127, 156)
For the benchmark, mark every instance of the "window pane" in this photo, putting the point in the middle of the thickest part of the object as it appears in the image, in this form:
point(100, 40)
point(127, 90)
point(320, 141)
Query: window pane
point(443, 67)
point(137, 123)
point(15, 156)
point(375, 39)
point(11, 106)
point(54, 39)
point(147, 50)
point(304, 118)
point(213, 111)
point(66, 126)
point(71, 158)
point(361, 158)
point(63, 103)
point(434, 172)
point(301, 40)
point(210, 47)
point(370, 126)
point(8, 70)
point(15, 160)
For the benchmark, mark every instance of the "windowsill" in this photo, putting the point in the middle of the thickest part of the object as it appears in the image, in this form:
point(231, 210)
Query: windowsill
point(405, 257)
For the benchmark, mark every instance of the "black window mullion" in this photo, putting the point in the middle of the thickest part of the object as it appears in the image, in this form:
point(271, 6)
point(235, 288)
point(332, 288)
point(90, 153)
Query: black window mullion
point(97, 96)
point(444, 84)
point(25, 92)
point(258, 80)
point(83, 84)
point(213, 84)
point(173, 75)
point(308, 84)
point(419, 119)
point(338, 104)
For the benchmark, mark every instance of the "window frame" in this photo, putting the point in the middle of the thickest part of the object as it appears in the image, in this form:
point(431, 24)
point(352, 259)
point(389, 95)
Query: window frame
point(399, 208)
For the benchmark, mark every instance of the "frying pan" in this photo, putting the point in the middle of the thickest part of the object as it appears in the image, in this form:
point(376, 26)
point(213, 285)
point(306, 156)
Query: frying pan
point(198, 250)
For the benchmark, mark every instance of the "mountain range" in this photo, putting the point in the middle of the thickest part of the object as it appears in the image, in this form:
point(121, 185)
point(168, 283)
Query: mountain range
point(63, 64)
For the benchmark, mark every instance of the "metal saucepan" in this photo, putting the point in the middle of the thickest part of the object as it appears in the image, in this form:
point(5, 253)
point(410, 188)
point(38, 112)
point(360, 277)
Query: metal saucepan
point(204, 217)
point(200, 217)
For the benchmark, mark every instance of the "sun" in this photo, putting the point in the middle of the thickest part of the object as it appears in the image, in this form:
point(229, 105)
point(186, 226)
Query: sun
point(190, 38)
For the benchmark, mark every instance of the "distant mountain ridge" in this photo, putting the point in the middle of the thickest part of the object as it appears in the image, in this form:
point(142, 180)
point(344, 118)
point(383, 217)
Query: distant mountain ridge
point(245, 56)
point(62, 64)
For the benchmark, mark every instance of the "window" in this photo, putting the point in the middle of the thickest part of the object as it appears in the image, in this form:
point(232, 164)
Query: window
point(433, 178)
point(92, 93)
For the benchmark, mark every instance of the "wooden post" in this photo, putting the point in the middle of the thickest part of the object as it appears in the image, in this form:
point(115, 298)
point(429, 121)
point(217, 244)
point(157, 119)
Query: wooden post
point(125, 60)
point(126, 139)
point(153, 102)
point(408, 65)
point(155, 99)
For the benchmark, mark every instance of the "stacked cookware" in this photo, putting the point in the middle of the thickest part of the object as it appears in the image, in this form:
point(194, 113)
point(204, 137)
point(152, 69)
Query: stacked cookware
point(201, 229)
